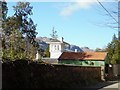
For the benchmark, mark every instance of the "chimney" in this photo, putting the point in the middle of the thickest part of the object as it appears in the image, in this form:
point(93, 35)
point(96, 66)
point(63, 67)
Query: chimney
point(75, 50)
point(62, 39)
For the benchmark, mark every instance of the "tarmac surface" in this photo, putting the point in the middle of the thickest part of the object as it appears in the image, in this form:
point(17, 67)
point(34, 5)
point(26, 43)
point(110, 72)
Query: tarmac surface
point(107, 85)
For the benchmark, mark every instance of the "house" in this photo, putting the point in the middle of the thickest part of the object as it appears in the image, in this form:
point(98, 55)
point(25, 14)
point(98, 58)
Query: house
point(83, 58)
point(57, 47)
point(90, 59)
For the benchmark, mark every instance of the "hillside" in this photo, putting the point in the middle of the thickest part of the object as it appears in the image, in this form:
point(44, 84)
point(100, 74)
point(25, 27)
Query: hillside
point(72, 48)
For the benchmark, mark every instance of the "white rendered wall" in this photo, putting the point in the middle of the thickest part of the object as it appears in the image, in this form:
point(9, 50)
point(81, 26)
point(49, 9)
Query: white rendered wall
point(56, 50)
point(55, 54)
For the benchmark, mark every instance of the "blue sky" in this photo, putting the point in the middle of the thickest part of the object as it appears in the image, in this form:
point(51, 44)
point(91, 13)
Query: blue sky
point(81, 24)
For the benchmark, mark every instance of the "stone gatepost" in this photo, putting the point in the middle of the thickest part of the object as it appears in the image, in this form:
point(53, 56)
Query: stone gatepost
point(103, 73)
point(116, 69)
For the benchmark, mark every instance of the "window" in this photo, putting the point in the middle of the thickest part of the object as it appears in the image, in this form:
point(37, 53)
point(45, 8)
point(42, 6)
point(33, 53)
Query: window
point(57, 47)
point(52, 48)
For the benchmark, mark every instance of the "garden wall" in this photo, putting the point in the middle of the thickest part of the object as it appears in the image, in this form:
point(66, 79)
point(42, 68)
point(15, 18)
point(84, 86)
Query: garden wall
point(27, 74)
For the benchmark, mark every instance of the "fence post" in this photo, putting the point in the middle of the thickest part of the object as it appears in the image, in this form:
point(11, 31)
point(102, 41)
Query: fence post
point(102, 73)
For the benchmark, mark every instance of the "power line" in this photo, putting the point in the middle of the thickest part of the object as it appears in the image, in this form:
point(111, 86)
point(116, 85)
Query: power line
point(107, 11)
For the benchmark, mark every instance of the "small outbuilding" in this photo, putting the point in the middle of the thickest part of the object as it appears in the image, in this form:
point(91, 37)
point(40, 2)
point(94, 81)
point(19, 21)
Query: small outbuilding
point(83, 58)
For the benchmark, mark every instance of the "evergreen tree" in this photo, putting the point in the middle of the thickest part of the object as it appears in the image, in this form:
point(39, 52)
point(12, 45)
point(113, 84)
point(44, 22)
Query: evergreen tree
point(113, 50)
point(47, 53)
point(3, 5)
point(26, 25)
point(20, 33)
point(116, 54)
point(3, 17)
point(114, 37)
point(13, 40)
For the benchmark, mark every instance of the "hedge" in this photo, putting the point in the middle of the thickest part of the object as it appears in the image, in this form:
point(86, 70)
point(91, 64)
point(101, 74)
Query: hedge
point(29, 74)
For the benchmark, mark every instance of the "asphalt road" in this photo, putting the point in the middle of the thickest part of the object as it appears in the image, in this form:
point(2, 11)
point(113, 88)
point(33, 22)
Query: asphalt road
point(107, 85)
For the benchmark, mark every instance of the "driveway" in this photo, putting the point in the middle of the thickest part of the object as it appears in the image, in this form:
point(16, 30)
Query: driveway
point(107, 85)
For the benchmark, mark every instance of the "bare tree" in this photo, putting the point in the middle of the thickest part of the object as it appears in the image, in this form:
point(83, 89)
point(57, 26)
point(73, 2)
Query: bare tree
point(54, 34)
point(114, 15)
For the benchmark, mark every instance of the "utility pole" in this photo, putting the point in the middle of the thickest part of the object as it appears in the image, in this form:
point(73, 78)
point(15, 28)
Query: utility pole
point(119, 20)
point(1, 53)
point(1, 32)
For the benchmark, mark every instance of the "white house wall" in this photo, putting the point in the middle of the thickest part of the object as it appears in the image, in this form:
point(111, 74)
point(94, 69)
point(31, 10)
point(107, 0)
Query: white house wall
point(55, 54)
point(52, 47)
point(55, 50)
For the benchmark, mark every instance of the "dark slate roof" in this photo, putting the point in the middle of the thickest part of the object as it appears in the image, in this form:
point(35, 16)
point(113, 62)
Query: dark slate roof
point(54, 40)
point(86, 49)
point(73, 47)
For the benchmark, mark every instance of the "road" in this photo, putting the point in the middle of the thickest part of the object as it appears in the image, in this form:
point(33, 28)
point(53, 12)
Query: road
point(107, 85)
